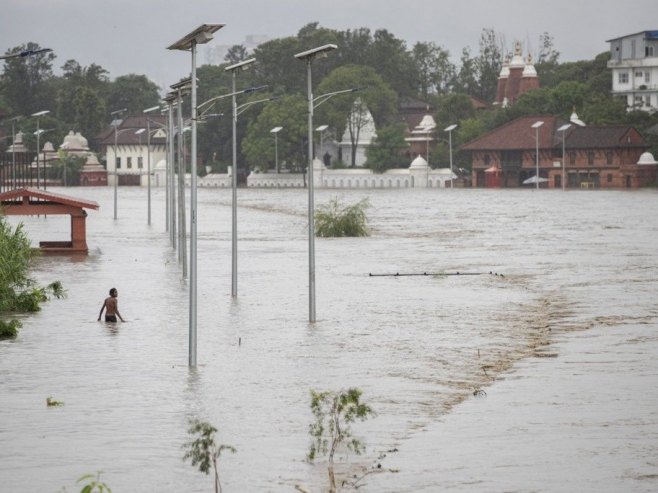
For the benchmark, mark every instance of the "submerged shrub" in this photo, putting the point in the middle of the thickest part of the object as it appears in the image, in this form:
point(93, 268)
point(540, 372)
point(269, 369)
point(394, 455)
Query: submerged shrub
point(9, 330)
point(18, 292)
point(333, 220)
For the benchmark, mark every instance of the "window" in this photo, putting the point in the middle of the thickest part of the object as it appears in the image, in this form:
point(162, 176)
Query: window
point(608, 157)
point(572, 157)
point(647, 77)
point(639, 74)
point(590, 157)
point(129, 163)
point(117, 162)
point(622, 77)
point(648, 51)
point(487, 159)
point(609, 178)
point(140, 162)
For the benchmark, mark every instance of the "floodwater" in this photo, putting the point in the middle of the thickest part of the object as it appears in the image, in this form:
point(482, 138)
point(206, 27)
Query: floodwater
point(559, 348)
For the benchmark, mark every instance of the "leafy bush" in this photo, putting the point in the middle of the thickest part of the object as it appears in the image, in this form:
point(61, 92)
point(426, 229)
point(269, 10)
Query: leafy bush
point(9, 330)
point(332, 220)
point(18, 292)
point(93, 484)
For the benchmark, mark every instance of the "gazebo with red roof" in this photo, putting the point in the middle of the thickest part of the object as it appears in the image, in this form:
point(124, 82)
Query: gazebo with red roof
point(33, 202)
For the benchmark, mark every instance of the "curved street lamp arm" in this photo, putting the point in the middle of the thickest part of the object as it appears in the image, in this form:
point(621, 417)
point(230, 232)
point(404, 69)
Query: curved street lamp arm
point(223, 96)
point(322, 98)
point(240, 109)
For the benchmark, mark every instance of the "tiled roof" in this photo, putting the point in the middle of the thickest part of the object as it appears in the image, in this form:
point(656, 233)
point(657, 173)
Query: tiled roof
point(126, 131)
point(518, 134)
point(603, 136)
point(20, 193)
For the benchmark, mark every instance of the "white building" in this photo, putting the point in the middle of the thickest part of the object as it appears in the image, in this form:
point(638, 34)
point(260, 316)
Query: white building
point(360, 127)
point(634, 64)
point(130, 157)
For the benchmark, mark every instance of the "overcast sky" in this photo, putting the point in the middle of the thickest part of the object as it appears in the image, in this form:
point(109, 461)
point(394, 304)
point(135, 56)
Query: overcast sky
point(131, 36)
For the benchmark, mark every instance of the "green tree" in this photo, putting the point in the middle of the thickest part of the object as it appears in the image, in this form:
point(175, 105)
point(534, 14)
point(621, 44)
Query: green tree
point(349, 111)
point(18, 292)
point(466, 79)
point(133, 92)
point(94, 76)
point(235, 54)
point(25, 80)
point(452, 108)
point(67, 168)
point(334, 412)
point(90, 111)
point(277, 66)
point(434, 70)
point(203, 451)
point(385, 151)
point(355, 46)
point(289, 112)
point(488, 65)
point(547, 52)
point(391, 60)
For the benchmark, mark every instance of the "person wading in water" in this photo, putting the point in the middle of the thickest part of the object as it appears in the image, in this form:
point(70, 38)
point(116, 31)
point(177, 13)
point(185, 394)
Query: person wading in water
point(111, 307)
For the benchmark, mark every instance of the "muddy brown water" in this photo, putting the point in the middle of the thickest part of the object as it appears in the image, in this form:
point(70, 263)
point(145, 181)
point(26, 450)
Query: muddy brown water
point(418, 347)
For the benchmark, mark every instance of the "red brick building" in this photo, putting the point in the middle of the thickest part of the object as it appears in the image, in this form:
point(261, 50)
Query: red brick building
point(597, 156)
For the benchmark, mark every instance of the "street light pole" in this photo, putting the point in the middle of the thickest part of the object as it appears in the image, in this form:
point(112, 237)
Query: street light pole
point(148, 158)
point(449, 129)
point(309, 56)
point(115, 124)
point(38, 115)
point(13, 149)
point(234, 69)
point(321, 130)
point(276, 131)
point(563, 129)
point(181, 225)
point(201, 35)
point(536, 126)
point(169, 100)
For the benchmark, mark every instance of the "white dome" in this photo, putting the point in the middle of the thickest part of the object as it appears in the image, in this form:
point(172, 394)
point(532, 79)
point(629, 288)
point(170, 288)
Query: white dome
point(70, 142)
point(529, 69)
point(574, 119)
point(427, 122)
point(517, 58)
point(92, 159)
point(504, 70)
point(419, 162)
point(83, 142)
point(647, 158)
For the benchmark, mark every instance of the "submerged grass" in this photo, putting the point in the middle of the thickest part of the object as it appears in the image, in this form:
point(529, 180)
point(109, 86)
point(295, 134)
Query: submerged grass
point(333, 220)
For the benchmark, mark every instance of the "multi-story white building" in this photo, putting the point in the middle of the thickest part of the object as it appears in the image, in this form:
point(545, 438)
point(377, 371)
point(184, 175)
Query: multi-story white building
point(634, 64)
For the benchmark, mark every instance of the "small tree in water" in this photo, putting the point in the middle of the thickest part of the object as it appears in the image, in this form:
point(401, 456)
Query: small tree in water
point(333, 220)
point(18, 292)
point(203, 451)
point(93, 484)
point(334, 411)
